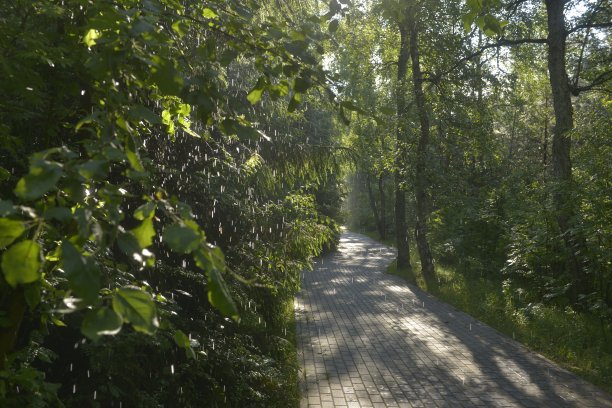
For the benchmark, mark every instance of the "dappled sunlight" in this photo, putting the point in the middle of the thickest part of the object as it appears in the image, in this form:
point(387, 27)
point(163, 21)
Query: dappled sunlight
point(368, 336)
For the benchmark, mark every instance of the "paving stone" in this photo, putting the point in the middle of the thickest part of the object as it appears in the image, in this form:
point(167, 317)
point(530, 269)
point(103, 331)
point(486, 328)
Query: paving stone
point(369, 339)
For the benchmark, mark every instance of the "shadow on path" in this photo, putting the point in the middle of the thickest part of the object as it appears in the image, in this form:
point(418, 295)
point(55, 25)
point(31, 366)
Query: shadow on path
point(371, 339)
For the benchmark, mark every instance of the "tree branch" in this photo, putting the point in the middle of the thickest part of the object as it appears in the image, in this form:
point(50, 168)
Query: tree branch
point(502, 42)
point(599, 80)
point(588, 26)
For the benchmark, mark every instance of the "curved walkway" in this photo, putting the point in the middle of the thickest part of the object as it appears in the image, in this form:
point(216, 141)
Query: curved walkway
point(369, 339)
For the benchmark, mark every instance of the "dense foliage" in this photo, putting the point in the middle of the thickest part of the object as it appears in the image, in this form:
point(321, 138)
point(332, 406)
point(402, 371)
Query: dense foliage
point(169, 168)
point(514, 169)
point(153, 241)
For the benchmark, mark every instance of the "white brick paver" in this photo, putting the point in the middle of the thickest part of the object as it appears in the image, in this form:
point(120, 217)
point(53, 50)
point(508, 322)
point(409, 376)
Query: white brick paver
point(369, 339)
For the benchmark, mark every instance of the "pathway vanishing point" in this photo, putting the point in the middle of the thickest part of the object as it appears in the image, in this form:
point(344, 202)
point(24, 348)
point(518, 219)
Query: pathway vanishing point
point(369, 339)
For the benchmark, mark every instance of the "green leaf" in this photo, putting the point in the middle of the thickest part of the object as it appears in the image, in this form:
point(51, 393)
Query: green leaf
point(42, 178)
point(32, 294)
point(475, 5)
point(90, 37)
point(352, 106)
point(301, 84)
point(257, 92)
point(10, 230)
point(101, 322)
point(62, 214)
point(166, 77)
point(94, 169)
point(128, 244)
point(279, 90)
point(21, 263)
point(255, 95)
point(136, 307)
point(145, 232)
point(181, 339)
point(145, 211)
point(228, 56)
point(294, 102)
point(179, 28)
point(139, 112)
point(82, 272)
point(208, 13)
point(213, 262)
point(468, 20)
point(333, 26)
point(181, 238)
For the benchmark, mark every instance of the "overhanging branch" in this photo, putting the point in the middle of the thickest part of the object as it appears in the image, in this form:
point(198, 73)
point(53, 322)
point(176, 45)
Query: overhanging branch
point(503, 42)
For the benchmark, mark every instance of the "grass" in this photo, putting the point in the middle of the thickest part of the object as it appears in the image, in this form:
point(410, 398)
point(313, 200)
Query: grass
point(577, 341)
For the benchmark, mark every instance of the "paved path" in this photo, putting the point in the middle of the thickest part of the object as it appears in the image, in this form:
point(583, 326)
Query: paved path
point(368, 339)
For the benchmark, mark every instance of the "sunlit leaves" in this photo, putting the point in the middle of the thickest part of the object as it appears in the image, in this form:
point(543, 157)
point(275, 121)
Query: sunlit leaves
point(90, 37)
point(136, 306)
point(10, 230)
point(257, 92)
point(145, 211)
point(480, 12)
point(208, 13)
point(295, 101)
point(21, 263)
point(145, 232)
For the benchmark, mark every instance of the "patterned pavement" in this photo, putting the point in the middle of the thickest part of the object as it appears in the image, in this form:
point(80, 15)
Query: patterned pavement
point(369, 339)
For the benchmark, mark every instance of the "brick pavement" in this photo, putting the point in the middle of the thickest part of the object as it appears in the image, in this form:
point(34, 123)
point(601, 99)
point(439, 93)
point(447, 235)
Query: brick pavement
point(369, 339)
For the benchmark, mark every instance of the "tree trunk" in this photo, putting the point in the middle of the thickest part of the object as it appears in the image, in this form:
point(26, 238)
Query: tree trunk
point(383, 204)
point(420, 184)
point(561, 140)
point(545, 138)
point(374, 207)
point(401, 229)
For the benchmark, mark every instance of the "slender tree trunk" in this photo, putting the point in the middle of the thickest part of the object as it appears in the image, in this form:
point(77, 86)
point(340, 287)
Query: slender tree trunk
point(401, 228)
point(545, 141)
point(420, 186)
point(561, 141)
point(374, 207)
point(383, 205)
